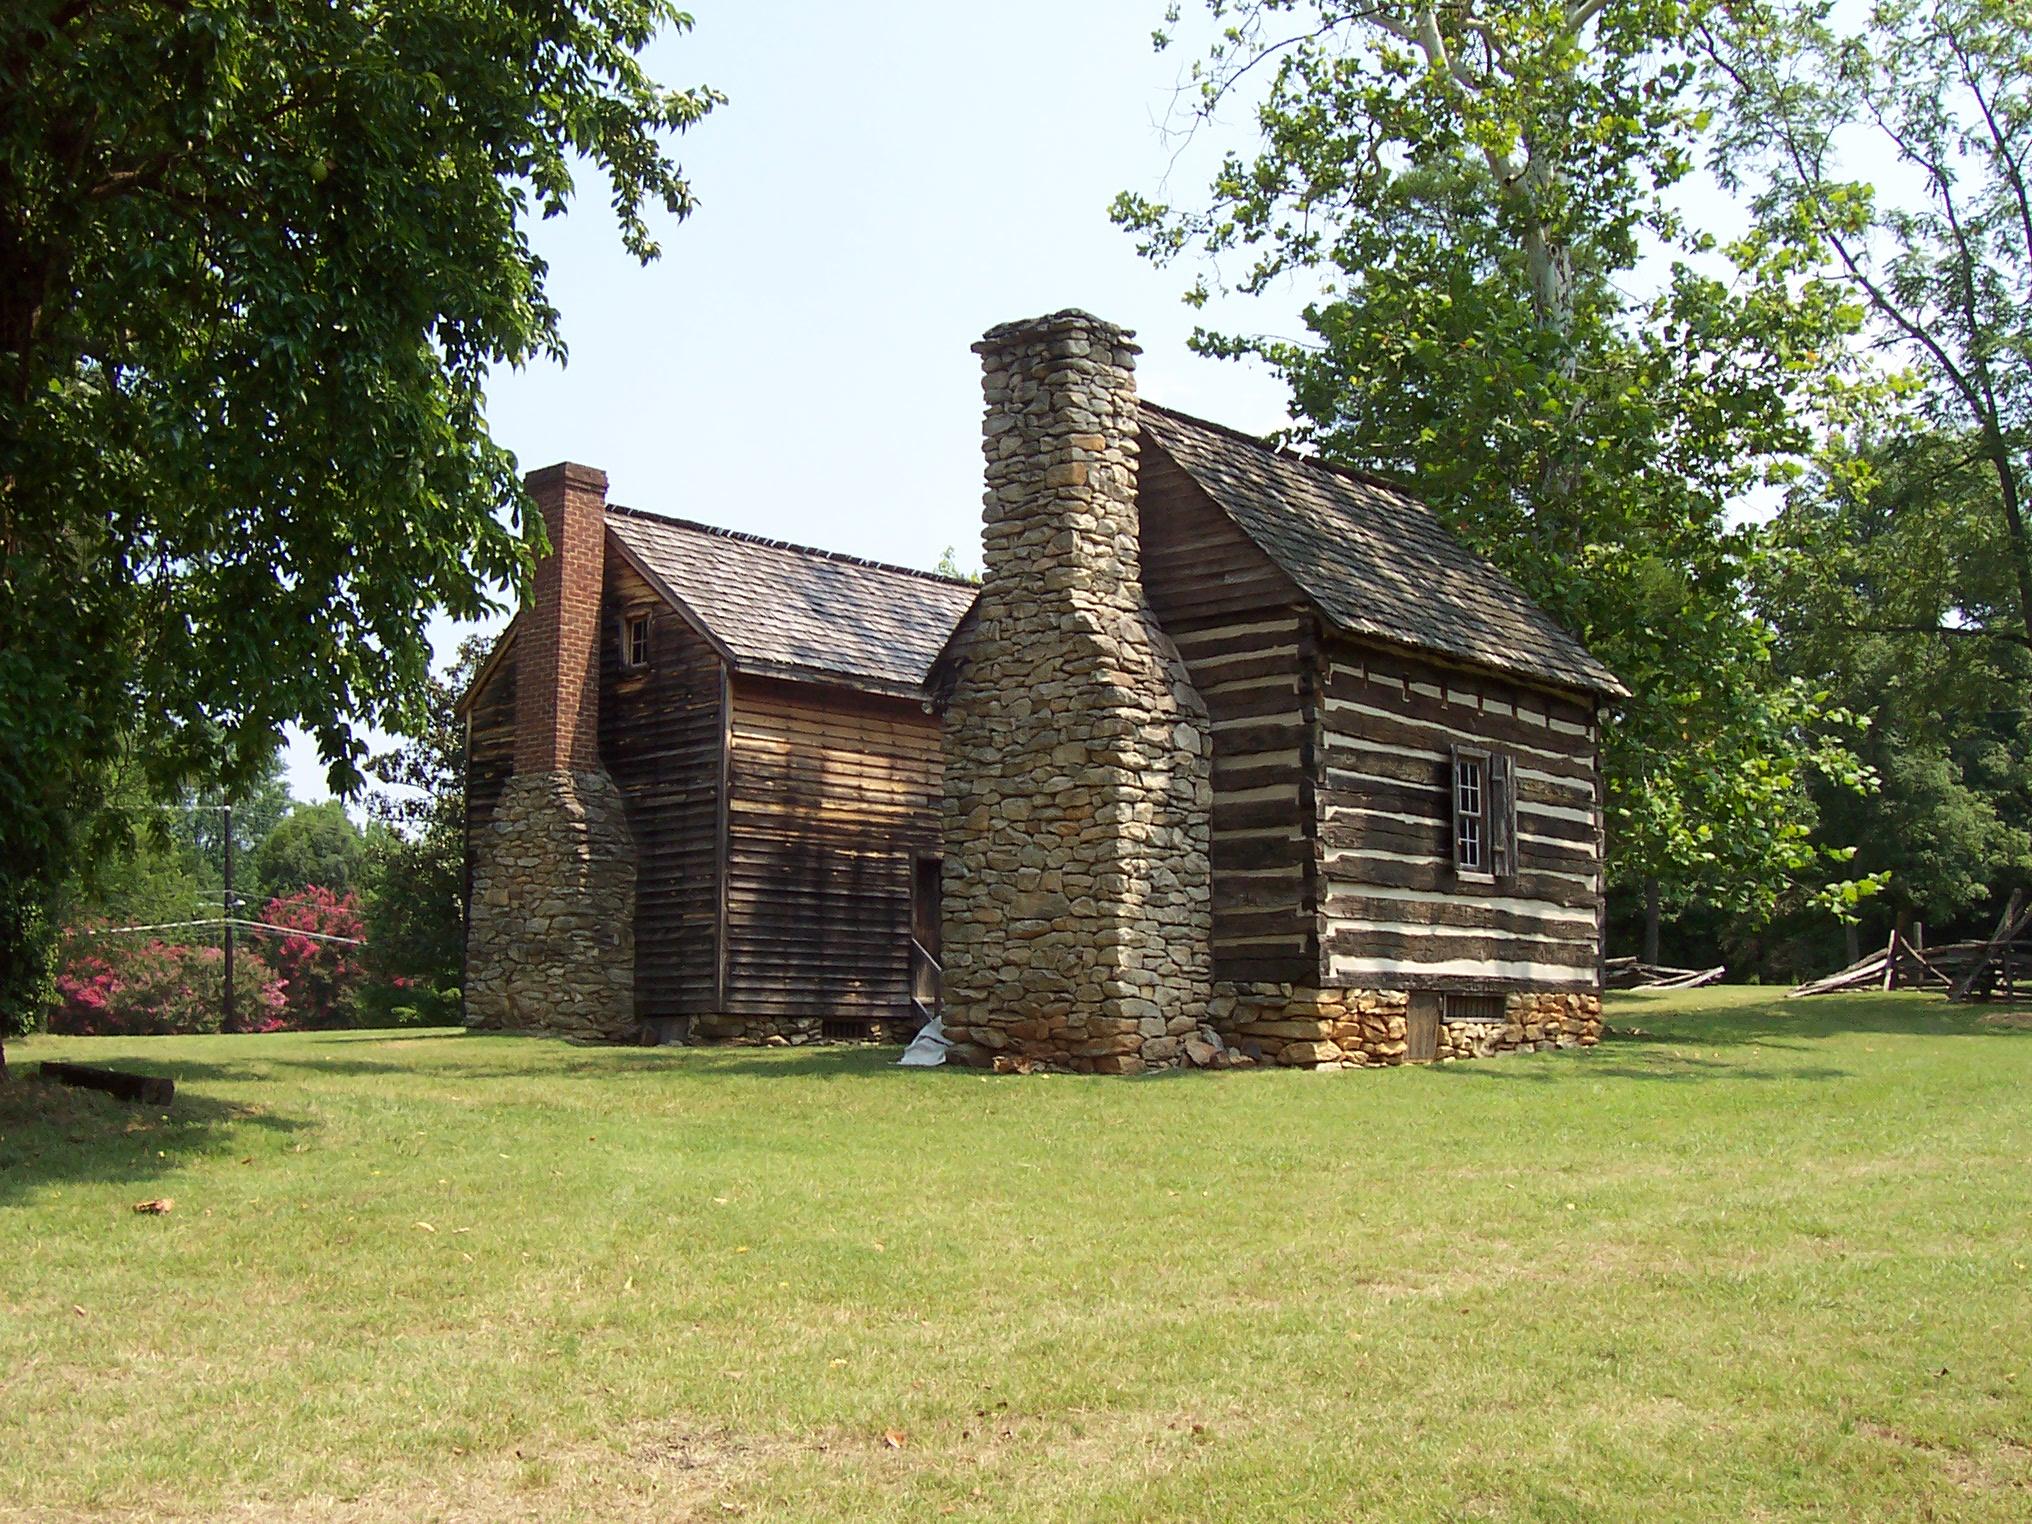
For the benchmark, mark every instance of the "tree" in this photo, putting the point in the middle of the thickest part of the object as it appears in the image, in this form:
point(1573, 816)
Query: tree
point(256, 264)
point(1943, 90)
point(416, 934)
point(259, 804)
point(1891, 534)
point(1473, 188)
point(315, 844)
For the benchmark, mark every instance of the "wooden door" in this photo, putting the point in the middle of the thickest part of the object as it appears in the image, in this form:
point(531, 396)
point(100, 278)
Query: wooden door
point(1421, 1028)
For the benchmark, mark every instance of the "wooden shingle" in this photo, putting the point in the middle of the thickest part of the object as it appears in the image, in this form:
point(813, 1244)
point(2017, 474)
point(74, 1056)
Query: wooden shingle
point(779, 610)
point(1375, 561)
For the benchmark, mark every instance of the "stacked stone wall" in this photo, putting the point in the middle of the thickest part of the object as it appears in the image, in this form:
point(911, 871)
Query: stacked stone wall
point(1312, 1028)
point(550, 940)
point(1077, 894)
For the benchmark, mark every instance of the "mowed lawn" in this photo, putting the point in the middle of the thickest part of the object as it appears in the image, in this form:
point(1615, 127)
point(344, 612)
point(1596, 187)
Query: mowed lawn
point(1761, 1259)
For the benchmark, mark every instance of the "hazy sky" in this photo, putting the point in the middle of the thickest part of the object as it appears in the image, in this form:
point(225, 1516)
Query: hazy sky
point(885, 183)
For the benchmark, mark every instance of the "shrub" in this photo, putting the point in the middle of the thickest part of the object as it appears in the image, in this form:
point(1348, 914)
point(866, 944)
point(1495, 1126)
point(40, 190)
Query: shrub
point(320, 979)
point(113, 987)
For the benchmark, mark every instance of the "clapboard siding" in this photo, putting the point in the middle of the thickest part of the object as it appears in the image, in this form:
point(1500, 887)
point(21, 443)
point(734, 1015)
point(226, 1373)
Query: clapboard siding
point(1393, 910)
point(1240, 625)
point(831, 796)
point(660, 740)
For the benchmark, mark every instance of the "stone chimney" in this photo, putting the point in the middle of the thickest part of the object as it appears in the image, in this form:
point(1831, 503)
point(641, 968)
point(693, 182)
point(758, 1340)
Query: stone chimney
point(550, 943)
point(1077, 901)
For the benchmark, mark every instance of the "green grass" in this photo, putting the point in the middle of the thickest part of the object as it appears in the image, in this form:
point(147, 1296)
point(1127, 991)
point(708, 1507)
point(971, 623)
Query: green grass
point(1763, 1259)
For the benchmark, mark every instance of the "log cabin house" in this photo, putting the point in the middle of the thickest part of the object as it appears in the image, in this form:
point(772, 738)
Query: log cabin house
point(1231, 754)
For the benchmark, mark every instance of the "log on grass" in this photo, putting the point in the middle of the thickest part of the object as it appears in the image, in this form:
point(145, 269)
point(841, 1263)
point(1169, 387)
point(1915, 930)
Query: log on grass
point(148, 1089)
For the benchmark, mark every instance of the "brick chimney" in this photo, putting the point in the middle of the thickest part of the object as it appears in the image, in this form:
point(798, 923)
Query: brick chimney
point(550, 930)
point(1077, 900)
point(557, 690)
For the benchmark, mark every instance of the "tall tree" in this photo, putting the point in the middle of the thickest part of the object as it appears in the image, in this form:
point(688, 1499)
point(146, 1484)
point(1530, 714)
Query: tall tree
point(314, 845)
point(1473, 187)
point(416, 910)
point(257, 259)
point(1934, 99)
point(1899, 534)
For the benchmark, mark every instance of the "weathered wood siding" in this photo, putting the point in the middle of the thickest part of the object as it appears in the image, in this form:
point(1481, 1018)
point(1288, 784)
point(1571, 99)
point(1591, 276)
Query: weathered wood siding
point(1249, 640)
point(490, 750)
point(660, 738)
point(833, 796)
point(1394, 912)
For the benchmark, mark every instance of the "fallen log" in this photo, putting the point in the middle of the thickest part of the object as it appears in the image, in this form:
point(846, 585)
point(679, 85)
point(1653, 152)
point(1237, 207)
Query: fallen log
point(1865, 971)
point(148, 1089)
point(1635, 974)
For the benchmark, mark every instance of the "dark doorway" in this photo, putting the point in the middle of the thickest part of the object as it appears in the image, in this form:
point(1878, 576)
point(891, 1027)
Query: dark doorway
point(925, 965)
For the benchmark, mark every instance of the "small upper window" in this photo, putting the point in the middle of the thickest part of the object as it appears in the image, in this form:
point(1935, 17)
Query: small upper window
point(635, 641)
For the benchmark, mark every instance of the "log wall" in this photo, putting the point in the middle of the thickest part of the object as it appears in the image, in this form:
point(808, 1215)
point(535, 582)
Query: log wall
point(832, 797)
point(1249, 640)
point(661, 729)
point(1394, 913)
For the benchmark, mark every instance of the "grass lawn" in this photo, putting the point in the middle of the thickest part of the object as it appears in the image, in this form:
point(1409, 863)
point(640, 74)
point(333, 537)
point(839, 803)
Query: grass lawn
point(1761, 1260)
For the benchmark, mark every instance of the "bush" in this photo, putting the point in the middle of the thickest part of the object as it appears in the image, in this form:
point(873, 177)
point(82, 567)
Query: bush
point(119, 988)
point(320, 979)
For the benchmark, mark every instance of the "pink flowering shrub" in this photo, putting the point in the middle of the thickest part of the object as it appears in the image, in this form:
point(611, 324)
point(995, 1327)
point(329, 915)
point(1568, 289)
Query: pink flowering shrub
point(320, 979)
point(121, 987)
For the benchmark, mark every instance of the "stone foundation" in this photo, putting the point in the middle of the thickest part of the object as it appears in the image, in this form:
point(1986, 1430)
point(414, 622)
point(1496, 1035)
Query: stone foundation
point(1358, 1029)
point(550, 946)
point(1077, 893)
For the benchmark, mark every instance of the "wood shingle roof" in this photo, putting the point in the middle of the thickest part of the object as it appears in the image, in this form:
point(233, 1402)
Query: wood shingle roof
point(1376, 561)
point(783, 610)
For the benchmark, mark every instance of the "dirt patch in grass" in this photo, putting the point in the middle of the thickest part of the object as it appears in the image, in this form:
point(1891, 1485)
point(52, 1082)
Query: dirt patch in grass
point(2001, 1465)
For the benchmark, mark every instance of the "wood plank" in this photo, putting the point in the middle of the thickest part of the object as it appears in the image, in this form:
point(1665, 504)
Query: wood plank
point(146, 1089)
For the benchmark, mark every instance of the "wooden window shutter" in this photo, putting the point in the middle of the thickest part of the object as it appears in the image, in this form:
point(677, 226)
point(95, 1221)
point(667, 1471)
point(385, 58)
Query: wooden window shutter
point(1502, 813)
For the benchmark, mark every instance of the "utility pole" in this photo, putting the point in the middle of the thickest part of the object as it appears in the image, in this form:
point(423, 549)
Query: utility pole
point(227, 816)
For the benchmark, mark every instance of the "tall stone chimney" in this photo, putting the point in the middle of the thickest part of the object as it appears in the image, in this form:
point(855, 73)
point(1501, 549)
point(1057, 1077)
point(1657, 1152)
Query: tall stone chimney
point(550, 944)
point(1077, 901)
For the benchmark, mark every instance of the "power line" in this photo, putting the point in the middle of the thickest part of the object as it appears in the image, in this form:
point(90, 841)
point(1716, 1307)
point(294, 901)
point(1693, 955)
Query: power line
point(224, 921)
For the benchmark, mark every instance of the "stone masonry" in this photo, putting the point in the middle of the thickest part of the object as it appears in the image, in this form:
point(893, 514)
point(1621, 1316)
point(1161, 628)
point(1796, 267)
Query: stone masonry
point(550, 944)
point(1355, 1029)
point(1077, 899)
point(551, 947)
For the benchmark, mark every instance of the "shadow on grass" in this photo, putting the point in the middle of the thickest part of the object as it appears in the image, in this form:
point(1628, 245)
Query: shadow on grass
point(1675, 1069)
point(52, 1134)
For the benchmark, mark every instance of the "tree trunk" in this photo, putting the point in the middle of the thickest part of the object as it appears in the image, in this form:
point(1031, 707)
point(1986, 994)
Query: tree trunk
point(2014, 520)
point(1852, 944)
point(1651, 921)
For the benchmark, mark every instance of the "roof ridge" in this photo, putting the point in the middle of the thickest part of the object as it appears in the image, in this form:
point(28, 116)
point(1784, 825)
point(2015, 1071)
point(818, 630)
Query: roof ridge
point(1285, 452)
point(766, 542)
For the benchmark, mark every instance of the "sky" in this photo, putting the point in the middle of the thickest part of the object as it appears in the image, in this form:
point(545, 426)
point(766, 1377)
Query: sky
point(885, 183)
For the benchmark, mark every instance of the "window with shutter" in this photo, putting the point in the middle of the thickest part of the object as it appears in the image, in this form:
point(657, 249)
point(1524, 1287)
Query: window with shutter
point(1484, 812)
